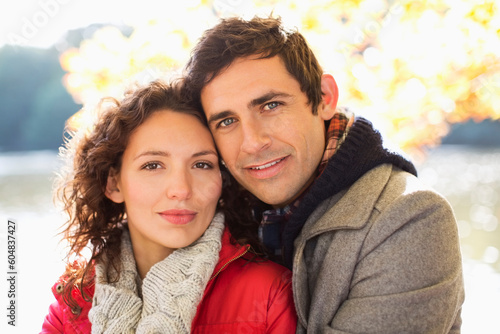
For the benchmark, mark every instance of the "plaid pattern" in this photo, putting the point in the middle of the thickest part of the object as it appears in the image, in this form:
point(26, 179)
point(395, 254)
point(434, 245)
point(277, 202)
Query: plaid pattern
point(274, 220)
point(271, 229)
point(335, 135)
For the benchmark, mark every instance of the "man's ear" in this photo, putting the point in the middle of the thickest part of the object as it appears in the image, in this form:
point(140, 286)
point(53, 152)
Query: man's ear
point(330, 93)
point(112, 187)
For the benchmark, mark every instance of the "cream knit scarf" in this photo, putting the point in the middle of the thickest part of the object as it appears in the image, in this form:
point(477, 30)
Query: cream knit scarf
point(171, 290)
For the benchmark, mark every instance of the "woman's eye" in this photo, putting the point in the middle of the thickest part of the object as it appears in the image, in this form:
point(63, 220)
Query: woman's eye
point(151, 166)
point(271, 105)
point(203, 165)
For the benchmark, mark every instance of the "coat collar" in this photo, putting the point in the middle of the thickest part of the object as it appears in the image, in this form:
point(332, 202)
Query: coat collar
point(351, 207)
point(229, 252)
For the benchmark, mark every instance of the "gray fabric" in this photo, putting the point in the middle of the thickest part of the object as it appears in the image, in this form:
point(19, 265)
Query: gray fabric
point(380, 257)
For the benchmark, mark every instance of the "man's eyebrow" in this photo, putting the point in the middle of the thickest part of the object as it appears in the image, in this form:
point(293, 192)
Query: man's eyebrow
point(266, 97)
point(255, 102)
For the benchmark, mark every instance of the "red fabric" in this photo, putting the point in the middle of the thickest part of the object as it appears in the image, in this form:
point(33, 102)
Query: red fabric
point(241, 297)
point(246, 297)
point(61, 319)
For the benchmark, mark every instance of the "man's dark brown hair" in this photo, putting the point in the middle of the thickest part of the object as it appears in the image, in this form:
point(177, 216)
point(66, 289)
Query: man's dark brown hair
point(235, 38)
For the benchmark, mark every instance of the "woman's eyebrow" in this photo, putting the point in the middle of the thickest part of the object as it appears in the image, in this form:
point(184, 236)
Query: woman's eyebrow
point(166, 154)
point(206, 152)
point(152, 153)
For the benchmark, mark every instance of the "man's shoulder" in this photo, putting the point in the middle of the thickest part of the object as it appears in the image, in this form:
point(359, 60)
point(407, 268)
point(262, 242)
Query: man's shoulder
point(382, 183)
point(377, 189)
point(407, 188)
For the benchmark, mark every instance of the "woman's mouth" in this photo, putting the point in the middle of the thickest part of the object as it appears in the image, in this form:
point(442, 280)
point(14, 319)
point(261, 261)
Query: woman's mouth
point(178, 217)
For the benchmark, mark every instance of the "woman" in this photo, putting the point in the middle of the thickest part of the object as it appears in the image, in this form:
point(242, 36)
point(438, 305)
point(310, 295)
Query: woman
point(143, 192)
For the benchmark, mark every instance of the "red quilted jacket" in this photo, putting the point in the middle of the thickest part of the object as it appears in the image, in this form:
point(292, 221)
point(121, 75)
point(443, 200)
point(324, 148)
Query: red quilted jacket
point(241, 297)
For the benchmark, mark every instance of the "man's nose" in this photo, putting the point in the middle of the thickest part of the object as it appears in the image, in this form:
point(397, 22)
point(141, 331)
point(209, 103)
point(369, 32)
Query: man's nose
point(255, 137)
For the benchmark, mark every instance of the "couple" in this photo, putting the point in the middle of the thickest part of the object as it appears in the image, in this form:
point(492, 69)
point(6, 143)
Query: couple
point(358, 244)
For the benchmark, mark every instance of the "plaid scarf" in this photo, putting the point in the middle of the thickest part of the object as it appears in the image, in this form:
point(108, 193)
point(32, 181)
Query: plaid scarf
point(274, 220)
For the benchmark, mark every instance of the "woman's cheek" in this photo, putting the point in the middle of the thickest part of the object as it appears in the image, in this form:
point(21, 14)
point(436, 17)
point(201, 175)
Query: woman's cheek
point(212, 190)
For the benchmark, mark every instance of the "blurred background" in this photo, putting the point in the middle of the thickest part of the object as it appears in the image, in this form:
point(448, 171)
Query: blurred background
point(427, 73)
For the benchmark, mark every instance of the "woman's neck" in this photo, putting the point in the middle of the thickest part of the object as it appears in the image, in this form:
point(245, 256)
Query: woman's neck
point(146, 257)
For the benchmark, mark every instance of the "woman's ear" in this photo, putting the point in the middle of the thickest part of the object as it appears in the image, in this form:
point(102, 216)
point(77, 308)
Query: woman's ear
point(330, 94)
point(112, 187)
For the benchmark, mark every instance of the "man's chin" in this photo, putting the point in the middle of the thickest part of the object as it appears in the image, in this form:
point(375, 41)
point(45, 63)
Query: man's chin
point(276, 198)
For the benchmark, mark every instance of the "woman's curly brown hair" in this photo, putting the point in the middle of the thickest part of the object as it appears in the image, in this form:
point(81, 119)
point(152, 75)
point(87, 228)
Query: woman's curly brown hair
point(94, 220)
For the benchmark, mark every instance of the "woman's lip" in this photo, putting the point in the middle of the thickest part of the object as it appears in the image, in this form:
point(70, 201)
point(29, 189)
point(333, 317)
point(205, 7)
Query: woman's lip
point(178, 217)
point(178, 212)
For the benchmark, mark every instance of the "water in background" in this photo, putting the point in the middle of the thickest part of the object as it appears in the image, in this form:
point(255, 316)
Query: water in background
point(468, 177)
point(25, 196)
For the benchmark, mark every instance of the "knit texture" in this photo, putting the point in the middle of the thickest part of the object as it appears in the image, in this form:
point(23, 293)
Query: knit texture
point(361, 151)
point(171, 290)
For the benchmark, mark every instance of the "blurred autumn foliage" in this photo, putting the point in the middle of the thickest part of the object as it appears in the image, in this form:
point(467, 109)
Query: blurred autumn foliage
point(412, 67)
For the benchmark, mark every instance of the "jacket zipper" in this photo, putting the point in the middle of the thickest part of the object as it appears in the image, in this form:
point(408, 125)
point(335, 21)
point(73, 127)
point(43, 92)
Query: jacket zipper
point(228, 262)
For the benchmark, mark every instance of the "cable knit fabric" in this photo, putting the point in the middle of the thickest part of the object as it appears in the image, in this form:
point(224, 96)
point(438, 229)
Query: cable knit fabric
point(171, 290)
point(244, 294)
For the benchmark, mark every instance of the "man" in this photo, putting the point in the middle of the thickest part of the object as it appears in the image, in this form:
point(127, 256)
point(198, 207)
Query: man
point(371, 249)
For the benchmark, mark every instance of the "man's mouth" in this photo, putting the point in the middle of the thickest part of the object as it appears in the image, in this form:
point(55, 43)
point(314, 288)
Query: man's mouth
point(267, 165)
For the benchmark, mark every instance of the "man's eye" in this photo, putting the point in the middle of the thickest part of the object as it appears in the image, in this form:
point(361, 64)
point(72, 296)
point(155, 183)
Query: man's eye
point(226, 122)
point(271, 105)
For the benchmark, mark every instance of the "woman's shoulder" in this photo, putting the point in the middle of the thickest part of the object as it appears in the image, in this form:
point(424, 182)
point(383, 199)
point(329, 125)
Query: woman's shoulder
point(66, 278)
point(81, 295)
point(65, 316)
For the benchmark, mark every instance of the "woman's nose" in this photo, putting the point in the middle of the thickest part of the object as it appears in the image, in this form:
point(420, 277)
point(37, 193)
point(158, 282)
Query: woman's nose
point(179, 185)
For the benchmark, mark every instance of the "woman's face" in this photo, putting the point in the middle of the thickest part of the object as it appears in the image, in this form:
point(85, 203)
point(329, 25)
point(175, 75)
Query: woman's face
point(169, 181)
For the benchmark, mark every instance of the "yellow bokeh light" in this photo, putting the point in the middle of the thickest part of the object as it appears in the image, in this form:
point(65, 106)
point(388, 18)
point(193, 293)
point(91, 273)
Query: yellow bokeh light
point(413, 66)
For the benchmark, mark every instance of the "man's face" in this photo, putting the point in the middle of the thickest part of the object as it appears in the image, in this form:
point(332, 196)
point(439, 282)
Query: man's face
point(264, 128)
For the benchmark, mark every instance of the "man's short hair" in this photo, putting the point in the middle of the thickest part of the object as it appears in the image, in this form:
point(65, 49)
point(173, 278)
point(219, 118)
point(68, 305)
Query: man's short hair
point(235, 38)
